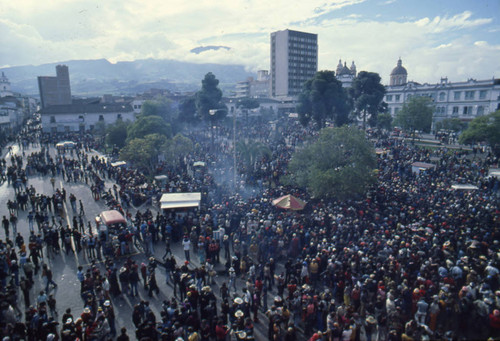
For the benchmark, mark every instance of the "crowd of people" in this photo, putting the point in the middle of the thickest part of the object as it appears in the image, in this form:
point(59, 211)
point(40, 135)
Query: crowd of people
point(414, 259)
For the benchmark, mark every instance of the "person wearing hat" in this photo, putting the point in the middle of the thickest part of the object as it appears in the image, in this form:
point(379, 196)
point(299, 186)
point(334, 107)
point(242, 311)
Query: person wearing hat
point(369, 329)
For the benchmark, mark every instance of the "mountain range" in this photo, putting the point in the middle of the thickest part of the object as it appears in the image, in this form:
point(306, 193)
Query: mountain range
point(97, 77)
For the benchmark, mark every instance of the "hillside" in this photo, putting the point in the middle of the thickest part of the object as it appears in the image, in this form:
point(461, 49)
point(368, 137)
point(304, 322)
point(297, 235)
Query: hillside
point(97, 77)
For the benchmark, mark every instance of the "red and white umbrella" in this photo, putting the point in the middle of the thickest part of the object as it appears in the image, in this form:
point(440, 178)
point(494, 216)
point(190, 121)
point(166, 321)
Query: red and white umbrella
point(289, 202)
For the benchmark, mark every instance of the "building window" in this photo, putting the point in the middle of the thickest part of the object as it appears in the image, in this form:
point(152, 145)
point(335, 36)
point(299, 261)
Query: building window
point(441, 96)
point(455, 110)
point(388, 98)
point(456, 95)
point(396, 110)
point(81, 118)
point(467, 110)
point(101, 118)
point(119, 116)
point(482, 94)
point(52, 119)
point(480, 110)
point(469, 95)
point(398, 98)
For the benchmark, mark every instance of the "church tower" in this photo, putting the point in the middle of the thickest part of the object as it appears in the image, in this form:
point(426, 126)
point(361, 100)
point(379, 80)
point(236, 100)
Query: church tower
point(398, 74)
point(4, 86)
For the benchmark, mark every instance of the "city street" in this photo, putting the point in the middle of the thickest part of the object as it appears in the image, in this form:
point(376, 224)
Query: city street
point(65, 266)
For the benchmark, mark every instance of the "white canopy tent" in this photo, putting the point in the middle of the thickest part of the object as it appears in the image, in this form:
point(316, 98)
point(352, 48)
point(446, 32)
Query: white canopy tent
point(180, 200)
point(464, 187)
point(118, 164)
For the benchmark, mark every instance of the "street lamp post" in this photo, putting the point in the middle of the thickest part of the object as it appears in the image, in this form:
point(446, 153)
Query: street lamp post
point(212, 113)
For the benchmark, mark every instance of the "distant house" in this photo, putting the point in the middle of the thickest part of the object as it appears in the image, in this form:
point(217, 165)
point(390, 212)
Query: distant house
point(83, 117)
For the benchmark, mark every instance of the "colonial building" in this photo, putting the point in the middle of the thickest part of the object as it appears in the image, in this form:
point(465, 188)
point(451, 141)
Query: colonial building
point(83, 117)
point(464, 100)
point(344, 74)
point(14, 107)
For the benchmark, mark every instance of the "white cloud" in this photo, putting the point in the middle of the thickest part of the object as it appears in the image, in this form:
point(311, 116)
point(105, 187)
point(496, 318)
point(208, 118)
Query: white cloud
point(39, 32)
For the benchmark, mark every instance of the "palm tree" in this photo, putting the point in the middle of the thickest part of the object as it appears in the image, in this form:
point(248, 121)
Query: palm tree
point(249, 152)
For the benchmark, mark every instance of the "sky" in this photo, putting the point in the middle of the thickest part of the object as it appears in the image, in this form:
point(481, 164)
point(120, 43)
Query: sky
point(458, 39)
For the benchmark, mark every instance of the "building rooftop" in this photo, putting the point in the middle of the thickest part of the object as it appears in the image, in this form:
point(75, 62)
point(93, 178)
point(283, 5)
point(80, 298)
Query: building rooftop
point(87, 108)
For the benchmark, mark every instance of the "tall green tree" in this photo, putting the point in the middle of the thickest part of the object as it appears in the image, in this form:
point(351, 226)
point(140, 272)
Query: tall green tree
point(208, 99)
point(484, 129)
point(322, 98)
point(367, 94)
point(146, 125)
point(116, 134)
point(339, 164)
point(416, 114)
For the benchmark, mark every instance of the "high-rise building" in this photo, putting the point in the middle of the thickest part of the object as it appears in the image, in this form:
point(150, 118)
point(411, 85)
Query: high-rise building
point(294, 60)
point(55, 90)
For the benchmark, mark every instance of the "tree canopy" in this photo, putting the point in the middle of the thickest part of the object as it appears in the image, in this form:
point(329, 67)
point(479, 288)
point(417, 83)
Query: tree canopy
point(384, 121)
point(116, 134)
point(209, 98)
point(249, 152)
point(453, 124)
point(146, 125)
point(416, 114)
point(160, 106)
point(339, 164)
point(367, 94)
point(484, 129)
point(176, 148)
point(322, 98)
point(187, 110)
point(248, 103)
point(143, 152)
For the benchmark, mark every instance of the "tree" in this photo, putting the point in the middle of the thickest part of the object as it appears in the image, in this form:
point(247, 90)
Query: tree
point(99, 128)
point(143, 152)
point(175, 149)
point(323, 98)
point(339, 164)
point(160, 106)
point(116, 134)
point(146, 125)
point(187, 110)
point(249, 152)
point(453, 124)
point(209, 98)
point(384, 121)
point(367, 94)
point(248, 103)
point(484, 129)
point(416, 114)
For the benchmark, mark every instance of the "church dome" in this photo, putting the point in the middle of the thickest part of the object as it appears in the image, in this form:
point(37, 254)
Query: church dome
point(399, 69)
